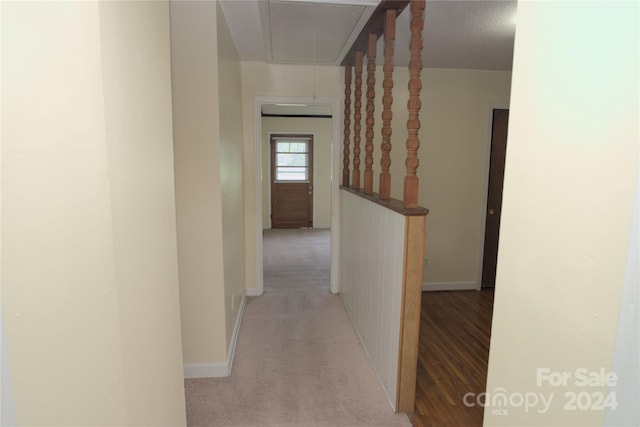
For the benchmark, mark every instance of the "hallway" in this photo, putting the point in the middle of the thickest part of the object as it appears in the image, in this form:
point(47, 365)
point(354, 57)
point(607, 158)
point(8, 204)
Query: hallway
point(298, 361)
point(296, 258)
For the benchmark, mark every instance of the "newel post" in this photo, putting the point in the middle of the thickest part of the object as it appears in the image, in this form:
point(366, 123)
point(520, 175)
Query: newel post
point(410, 199)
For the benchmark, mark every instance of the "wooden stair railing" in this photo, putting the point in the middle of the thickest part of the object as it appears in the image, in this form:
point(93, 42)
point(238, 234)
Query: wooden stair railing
point(371, 94)
point(387, 100)
point(347, 124)
point(415, 85)
point(383, 21)
point(357, 127)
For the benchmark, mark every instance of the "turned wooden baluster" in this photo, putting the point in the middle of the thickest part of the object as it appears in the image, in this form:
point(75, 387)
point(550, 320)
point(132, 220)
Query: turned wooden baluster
point(387, 100)
point(410, 199)
point(357, 115)
point(371, 81)
point(347, 124)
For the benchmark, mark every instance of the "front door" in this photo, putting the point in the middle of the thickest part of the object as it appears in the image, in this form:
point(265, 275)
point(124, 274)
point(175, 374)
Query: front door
point(291, 181)
point(494, 197)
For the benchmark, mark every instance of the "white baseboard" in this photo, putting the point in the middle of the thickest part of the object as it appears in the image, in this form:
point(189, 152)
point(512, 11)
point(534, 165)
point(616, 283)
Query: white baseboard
point(449, 286)
point(253, 292)
point(220, 369)
point(206, 370)
point(314, 226)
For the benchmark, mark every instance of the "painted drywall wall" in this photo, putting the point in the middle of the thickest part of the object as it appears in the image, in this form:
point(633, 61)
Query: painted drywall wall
point(137, 98)
point(8, 409)
point(58, 276)
point(261, 79)
point(322, 129)
point(571, 177)
point(231, 170)
point(626, 356)
point(208, 132)
point(196, 124)
point(88, 215)
point(455, 137)
point(456, 132)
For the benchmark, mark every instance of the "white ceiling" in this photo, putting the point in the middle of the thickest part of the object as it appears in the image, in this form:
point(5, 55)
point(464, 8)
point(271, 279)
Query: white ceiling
point(473, 34)
point(310, 32)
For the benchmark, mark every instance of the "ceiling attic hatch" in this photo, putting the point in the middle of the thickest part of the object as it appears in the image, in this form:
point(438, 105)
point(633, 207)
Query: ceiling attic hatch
point(334, 27)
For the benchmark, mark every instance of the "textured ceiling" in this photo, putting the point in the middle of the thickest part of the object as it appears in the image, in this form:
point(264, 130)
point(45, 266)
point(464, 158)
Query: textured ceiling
point(473, 34)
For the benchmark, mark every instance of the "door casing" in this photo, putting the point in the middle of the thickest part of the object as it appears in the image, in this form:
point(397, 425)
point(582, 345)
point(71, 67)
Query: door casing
point(267, 173)
point(338, 115)
point(308, 185)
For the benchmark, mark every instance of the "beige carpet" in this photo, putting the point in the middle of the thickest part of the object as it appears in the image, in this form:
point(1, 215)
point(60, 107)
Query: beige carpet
point(296, 258)
point(298, 359)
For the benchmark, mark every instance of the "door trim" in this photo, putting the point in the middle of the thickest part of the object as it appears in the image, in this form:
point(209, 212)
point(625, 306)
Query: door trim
point(273, 137)
point(338, 114)
point(268, 173)
point(485, 191)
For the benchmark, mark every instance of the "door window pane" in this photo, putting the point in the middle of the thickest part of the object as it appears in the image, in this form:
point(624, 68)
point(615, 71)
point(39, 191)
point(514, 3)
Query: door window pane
point(288, 159)
point(291, 174)
point(298, 147)
point(292, 160)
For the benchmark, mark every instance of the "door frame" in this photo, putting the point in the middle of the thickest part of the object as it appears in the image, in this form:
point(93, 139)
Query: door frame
point(485, 191)
point(270, 174)
point(267, 173)
point(337, 114)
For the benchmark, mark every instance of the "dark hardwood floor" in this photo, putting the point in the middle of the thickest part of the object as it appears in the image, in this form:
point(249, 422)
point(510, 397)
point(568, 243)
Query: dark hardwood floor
point(455, 327)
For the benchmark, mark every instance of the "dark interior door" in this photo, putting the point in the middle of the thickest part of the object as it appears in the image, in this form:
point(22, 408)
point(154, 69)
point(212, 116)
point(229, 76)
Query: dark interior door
point(291, 181)
point(494, 197)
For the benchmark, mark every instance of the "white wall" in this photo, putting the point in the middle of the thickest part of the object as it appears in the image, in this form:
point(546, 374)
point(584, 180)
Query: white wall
point(454, 165)
point(261, 79)
point(231, 173)
point(571, 177)
point(322, 129)
point(209, 199)
point(627, 348)
point(137, 98)
point(454, 136)
point(196, 124)
point(88, 216)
